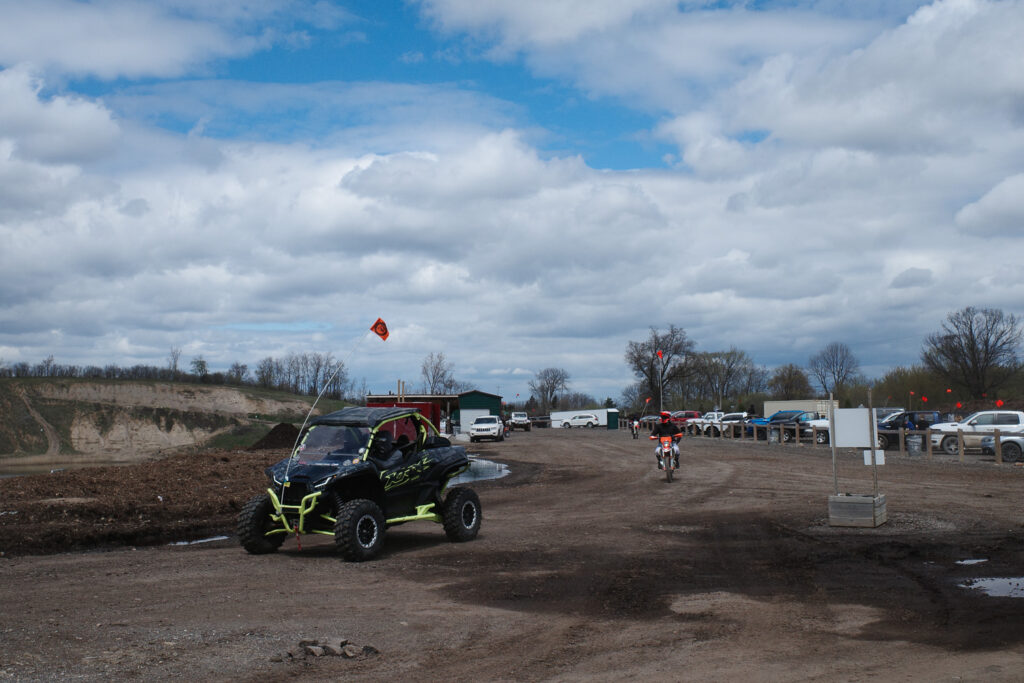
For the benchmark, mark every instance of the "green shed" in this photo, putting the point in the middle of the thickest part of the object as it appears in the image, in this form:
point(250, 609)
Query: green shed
point(473, 404)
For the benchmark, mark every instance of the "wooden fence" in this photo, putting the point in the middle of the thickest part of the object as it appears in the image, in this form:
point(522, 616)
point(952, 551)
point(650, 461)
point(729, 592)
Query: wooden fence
point(791, 436)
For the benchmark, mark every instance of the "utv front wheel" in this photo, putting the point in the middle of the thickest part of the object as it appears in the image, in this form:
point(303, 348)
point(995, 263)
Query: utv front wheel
point(359, 531)
point(461, 514)
point(253, 524)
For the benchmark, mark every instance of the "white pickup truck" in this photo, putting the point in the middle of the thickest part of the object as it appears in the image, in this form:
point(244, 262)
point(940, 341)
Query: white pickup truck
point(710, 424)
point(975, 427)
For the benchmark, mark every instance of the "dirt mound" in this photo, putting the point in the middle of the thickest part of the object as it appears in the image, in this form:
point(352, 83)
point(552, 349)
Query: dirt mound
point(282, 435)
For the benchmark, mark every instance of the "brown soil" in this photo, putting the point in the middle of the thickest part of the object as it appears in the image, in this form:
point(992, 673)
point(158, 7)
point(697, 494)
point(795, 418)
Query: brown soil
point(589, 566)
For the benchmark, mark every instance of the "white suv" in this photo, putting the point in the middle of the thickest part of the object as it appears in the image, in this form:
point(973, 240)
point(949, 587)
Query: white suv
point(581, 420)
point(975, 427)
point(487, 427)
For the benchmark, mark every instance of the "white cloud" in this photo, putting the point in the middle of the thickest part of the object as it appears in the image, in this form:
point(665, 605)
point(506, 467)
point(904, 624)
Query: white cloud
point(1000, 212)
point(912, 277)
point(60, 129)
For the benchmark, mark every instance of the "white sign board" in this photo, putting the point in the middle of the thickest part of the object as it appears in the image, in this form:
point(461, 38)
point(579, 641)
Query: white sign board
point(853, 428)
point(879, 458)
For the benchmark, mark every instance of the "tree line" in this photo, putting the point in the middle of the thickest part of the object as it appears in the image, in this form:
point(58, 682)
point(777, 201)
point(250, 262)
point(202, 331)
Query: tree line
point(974, 358)
point(297, 373)
point(970, 362)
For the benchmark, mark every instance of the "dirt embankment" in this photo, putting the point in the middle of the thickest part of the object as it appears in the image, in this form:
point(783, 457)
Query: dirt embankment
point(167, 395)
point(82, 421)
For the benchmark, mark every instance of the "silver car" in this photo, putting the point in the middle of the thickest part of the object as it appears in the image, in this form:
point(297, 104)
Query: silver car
point(1011, 445)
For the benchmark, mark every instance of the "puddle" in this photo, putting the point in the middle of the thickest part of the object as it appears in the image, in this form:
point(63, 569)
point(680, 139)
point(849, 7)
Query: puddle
point(998, 588)
point(970, 561)
point(480, 470)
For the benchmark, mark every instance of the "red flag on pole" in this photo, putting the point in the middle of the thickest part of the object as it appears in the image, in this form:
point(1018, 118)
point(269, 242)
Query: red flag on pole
point(380, 328)
point(659, 353)
point(648, 400)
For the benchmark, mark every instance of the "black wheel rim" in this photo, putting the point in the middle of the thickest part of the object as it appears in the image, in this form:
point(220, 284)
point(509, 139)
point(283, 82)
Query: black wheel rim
point(366, 531)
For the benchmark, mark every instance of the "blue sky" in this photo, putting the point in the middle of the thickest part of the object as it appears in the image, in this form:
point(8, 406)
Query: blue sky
point(519, 184)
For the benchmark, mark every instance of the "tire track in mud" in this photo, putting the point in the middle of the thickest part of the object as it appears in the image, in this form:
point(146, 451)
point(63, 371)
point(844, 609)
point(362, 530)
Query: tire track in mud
point(52, 436)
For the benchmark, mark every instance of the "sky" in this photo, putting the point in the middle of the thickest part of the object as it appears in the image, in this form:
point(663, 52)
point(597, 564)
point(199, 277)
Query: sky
point(518, 184)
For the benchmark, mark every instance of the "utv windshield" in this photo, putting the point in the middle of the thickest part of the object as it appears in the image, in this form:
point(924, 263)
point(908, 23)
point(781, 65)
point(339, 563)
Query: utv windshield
point(327, 442)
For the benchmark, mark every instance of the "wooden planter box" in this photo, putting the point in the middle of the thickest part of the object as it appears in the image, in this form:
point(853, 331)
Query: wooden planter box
point(856, 510)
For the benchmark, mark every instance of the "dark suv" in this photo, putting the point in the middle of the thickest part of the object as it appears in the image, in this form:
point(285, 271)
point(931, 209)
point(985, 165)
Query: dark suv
point(356, 472)
point(889, 426)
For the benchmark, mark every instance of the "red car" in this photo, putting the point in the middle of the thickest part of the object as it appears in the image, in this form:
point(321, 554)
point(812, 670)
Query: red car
point(680, 417)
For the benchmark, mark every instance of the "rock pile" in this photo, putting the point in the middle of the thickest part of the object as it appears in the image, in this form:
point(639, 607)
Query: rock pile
point(331, 647)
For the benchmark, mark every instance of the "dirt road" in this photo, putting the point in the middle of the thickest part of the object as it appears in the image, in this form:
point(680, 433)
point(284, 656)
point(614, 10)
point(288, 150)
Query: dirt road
point(589, 567)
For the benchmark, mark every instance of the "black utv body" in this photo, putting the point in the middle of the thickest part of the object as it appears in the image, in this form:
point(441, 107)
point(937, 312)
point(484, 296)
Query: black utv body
point(356, 472)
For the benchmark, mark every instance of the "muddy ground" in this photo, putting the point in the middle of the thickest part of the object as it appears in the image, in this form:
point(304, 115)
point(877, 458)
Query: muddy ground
point(589, 566)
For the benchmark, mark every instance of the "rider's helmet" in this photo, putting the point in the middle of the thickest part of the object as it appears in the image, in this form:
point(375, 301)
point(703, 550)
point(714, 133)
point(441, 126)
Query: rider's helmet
point(665, 416)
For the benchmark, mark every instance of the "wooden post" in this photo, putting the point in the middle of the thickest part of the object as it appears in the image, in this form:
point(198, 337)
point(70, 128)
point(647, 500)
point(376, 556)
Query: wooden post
point(903, 440)
point(928, 438)
point(998, 448)
point(960, 443)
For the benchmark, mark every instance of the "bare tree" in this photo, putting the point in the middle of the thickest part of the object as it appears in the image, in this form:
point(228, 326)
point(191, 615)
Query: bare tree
point(834, 366)
point(722, 371)
point(547, 385)
point(977, 348)
point(199, 367)
point(672, 365)
point(237, 373)
point(172, 361)
point(790, 382)
point(437, 374)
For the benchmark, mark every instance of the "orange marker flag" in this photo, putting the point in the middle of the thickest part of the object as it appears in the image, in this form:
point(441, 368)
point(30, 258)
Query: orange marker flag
point(380, 328)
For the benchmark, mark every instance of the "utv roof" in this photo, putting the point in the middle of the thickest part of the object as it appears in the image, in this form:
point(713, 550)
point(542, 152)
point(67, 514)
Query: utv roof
point(362, 417)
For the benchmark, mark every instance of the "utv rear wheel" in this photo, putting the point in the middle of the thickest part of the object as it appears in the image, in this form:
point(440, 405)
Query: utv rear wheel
point(359, 531)
point(461, 514)
point(253, 524)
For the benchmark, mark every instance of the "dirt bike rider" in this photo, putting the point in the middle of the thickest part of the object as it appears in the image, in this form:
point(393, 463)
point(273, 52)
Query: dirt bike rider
point(666, 428)
point(634, 426)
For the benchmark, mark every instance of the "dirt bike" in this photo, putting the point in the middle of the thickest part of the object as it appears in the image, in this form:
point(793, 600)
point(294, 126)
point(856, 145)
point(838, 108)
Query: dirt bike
point(666, 458)
point(635, 428)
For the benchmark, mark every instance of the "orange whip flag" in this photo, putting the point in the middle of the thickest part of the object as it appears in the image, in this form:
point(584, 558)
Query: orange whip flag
point(380, 328)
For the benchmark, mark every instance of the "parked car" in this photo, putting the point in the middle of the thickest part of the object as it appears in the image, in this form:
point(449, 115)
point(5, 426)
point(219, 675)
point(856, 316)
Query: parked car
point(1011, 445)
point(681, 417)
point(774, 418)
point(974, 427)
point(581, 420)
point(487, 427)
point(520, 421)
point(789, 424)
point(908, 419)
point(713, 427)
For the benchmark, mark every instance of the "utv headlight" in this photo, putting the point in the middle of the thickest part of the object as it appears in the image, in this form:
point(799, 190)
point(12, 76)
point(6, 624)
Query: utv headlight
point(324, 482)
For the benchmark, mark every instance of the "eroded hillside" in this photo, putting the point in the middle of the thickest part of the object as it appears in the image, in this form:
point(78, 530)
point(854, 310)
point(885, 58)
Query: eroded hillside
point(128, 421)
